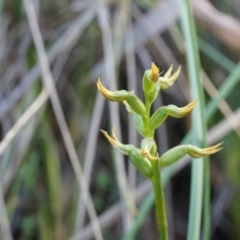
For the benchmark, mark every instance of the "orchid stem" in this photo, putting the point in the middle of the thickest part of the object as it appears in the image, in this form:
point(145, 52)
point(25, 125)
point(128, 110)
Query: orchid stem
point(159, 201)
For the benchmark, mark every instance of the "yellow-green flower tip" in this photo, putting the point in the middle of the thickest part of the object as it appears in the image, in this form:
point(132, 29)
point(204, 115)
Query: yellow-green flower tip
point(154, 73)
point(169, 72)
point(168, 79)
point(196, 152)
point(187, 109)
point(125, 149)
point(113, 140)
point(106, 93)
point(176, 112)
point(117, 96)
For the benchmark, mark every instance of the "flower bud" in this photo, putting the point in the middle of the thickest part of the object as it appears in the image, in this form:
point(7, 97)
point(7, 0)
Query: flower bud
point(173, 155)
point(154, 93)
point(136, 104)
point(171, 110)
point(158, 118)
point(176, 112)
point(176, 153)
point(119, 96)
point(142, 164)
point(149, 78)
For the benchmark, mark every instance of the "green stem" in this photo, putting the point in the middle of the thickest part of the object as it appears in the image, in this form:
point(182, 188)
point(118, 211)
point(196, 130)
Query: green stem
point(159, 201)
point(206, 201)
point(146, 120)
point(157, 184)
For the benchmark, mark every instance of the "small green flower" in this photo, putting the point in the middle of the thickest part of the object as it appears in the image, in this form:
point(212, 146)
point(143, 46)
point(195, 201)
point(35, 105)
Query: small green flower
point(119, 96)
point(149, 148)
point(125, 149)
point(176, 112)
point(176, 153)
point(171, 110)
point(142, 163)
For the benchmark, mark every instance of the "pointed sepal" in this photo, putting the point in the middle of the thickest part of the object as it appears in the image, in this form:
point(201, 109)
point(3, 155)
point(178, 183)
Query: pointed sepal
point(196, 152)
point(123, 148)
point(168, 80)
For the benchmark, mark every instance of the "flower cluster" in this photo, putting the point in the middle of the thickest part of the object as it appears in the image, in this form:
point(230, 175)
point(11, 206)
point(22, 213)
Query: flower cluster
point(146, 123)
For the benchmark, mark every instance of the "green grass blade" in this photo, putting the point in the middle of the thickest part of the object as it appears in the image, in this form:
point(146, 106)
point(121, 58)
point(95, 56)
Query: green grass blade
point(198, 123)
point(215, 55)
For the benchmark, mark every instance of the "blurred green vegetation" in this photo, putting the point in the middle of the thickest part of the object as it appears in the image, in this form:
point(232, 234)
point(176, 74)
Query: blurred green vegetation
point(39, 188)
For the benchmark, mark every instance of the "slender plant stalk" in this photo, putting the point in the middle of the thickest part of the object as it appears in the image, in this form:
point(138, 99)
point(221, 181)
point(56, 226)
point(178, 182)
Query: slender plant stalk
point(159, 202)
point(206, 200)
point(160, 206)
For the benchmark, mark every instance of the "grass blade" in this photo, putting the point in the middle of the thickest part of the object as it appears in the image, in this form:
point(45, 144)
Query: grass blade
point(198, 125)
point(215, 55)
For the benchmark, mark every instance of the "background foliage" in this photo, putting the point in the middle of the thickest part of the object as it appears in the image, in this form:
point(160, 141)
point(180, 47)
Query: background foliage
point(40, 196)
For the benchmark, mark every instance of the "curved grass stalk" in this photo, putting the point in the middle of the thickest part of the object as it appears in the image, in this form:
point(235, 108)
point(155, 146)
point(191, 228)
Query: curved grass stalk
point(199, 128)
